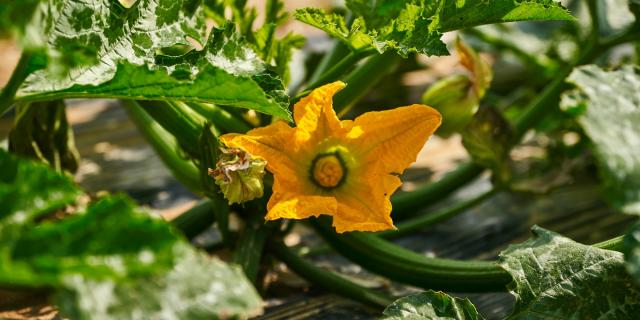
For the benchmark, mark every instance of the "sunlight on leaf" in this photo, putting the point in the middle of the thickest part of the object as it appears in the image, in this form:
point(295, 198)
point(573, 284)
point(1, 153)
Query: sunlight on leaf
point(557, 278)
point(431, 305)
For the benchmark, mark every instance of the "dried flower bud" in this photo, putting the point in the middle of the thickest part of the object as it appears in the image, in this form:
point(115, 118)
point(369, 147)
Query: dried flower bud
point(239, 175)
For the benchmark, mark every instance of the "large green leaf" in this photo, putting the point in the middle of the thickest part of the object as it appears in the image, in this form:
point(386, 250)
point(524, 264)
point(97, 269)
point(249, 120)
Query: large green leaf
point(99, 48)
point(198, 287)
point(608, 108)
point(407, 32)
point(28, 190)
point(110, 260)
point(110, 239)
point(431, 305)
point(557, 278)
point(416, 25)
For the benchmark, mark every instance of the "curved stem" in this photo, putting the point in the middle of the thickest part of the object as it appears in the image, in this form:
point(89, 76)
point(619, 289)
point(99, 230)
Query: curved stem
point(328, 280)
point(17, 77)
point(423, 221)
point(219, 117)
point(195, 220)
point(363, 78)
point(165, 145)
point(614, 244)
point(407, 204)
point(402, 265)
point(335, 72)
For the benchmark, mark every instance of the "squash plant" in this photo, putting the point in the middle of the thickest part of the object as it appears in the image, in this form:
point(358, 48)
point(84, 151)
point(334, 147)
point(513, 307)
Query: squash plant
point(208, 84)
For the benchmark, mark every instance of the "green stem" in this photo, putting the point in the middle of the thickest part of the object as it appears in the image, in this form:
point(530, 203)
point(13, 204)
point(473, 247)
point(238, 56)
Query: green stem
point(195, 220)
point(399, 264)
point(423, 221)
point(179, 120)
point(219, 117)
point(17, 77)
point(166, 146)
point(328, 280)
point(407, 204)
point(250, 246)
point(336, 71)
point(363, 78)
point(614, 244)
point(337, 52)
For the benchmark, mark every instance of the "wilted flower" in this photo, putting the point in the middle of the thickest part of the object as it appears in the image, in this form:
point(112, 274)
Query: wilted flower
point(239, 175)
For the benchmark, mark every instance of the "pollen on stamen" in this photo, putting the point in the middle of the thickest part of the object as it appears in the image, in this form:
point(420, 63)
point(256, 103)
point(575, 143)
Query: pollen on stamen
point(328, 171)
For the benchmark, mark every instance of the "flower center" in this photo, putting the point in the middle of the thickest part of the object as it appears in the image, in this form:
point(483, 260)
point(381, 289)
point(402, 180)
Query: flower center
point(328, 170)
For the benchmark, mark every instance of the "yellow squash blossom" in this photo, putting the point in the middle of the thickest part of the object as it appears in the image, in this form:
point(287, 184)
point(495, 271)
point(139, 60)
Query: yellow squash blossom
point(346, 169)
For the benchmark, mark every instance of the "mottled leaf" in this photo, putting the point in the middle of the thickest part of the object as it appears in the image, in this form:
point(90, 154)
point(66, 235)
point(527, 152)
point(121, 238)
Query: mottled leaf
point(455, 15)
point(141, 57)
point(406, 32)
point(198, 287)
point(110, 239)
point(29, 190)
point(110, 260)
point(431, 305)
point(608, 104)
point(557, 278)
point(416, 25)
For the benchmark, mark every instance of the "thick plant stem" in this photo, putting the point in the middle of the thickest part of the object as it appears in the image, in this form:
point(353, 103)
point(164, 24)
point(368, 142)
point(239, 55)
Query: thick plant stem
point(407, 204)
point(337, 52)
point(183, 123)
point(219, 117)
point(250, 246)
point(166, 146)
point(195, 220)
point(399, 264)
point(328, 280)
point(17, 77)
point(363, 78)
point(336, 71)
point(423, 221)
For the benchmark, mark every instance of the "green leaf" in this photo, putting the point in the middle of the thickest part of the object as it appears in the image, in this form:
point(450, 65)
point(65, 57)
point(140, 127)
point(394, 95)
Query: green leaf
point(431, 305)
point(456, 15)
point(41, 131)
point(557, 278)
point(88, 57)
point(111, 260)
point(110, 239)
point(198, 287)
point(29, 190)
point(417, 25)
point(609, 106)
point(407, 32)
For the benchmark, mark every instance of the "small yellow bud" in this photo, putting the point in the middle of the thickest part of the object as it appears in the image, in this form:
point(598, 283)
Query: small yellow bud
point(239, 175)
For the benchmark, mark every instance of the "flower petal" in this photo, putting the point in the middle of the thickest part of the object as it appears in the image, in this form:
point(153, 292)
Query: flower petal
point(394, 138)
point(271, 143)
point(286, 203)
point(314, 115)
point(366, 206)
